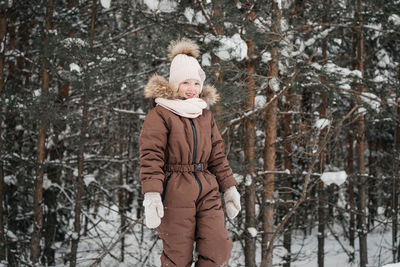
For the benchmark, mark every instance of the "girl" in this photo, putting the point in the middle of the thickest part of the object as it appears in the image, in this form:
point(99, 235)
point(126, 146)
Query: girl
point(182, 166)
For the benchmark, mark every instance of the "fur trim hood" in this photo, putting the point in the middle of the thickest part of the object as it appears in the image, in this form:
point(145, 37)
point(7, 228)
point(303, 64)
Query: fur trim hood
point(158, 86)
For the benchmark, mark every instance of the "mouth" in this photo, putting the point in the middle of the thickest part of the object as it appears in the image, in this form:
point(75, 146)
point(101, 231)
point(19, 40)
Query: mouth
point(190, 95)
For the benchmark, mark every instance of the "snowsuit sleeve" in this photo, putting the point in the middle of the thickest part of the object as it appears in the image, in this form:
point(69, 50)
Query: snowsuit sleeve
point(153, 142)
point(217, 163)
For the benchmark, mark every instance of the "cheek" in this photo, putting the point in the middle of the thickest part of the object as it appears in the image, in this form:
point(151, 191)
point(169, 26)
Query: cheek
point(181, 91)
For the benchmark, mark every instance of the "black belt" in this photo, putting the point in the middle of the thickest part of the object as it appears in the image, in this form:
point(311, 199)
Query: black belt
point(197, 167)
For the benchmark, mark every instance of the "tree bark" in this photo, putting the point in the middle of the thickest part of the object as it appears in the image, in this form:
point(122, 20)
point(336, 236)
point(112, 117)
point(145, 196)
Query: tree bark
point(360, 138)
point(79, 184)
point(362, 224)
point(321, 191)
point(121, 191)
point(218, 29)
point(371, 184)
point(79, 180)
point(287, 195)
point(91, 37)
point(54, 173)
point(38, 193)
point(3, 32)
point(268, 200)
point(395, 190)
point(250, 190)
point(351, 157)
point(50, 224)
point(350, 172)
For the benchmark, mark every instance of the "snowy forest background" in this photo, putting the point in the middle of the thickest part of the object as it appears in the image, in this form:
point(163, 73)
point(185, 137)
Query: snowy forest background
point(309, 114)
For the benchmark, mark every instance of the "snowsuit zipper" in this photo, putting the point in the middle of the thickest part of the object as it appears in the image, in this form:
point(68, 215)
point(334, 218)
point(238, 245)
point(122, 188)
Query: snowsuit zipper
point(165, 186)
point(194, 156)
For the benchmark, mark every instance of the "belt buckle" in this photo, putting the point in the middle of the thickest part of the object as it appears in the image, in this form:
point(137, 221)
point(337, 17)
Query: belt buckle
point(197, 167)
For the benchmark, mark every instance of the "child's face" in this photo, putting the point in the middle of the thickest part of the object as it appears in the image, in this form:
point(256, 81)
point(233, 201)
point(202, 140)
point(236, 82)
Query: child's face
point(189, 88)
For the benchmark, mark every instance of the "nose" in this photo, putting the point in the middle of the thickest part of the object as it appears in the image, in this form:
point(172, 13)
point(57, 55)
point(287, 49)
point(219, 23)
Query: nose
point(192, 88)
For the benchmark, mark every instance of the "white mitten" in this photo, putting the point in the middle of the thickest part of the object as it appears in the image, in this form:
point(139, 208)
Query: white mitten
point(232, 202)
point(153, 209)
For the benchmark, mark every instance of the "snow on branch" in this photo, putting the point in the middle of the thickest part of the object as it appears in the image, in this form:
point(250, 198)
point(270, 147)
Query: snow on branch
point(128, 111)
point(105, 3)
point(322, 123)
point(334, 177)
point(69, 42)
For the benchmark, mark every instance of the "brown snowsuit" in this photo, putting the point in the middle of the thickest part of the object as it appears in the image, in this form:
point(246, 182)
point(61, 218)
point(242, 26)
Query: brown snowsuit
point(182, 159)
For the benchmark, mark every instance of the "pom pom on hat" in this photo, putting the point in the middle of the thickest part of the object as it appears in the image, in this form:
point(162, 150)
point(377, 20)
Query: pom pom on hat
point(183, 46)
point(184, 65)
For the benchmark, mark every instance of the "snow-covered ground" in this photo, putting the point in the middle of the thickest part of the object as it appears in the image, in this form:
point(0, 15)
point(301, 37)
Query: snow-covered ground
point(142, 247)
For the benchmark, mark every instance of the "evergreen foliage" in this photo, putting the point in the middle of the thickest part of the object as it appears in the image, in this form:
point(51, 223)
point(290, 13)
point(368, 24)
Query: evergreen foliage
point(130, 41)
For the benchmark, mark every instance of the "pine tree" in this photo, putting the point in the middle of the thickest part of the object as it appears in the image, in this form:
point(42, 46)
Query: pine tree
point(3, 31)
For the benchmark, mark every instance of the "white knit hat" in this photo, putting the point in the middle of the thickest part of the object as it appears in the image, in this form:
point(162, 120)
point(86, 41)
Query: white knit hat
point(184, 64)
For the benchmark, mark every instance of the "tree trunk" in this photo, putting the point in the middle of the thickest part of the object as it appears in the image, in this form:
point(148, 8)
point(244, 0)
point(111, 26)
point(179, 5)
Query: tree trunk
point(250, 193)
point(372, 184)
point(3, 31)
point(350, 159)
point(350, 172)
point(79, 181)
point(121, 191)
point(91, 37)
point(218, 29)
point(304, 128)
point(395, 190)
point(50, 224)
point(360, 138)
point(321, 191)
point(362, 223)
point(54, 173)
point(287, 195)
point(270, 140)
point(38, 193)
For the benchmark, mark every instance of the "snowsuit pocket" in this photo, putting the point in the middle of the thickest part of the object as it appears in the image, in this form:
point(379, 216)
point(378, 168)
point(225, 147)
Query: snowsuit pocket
point(165, 186)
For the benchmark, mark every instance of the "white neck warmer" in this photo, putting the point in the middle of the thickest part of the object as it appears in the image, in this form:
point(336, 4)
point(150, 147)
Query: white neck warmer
point(188, 108)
